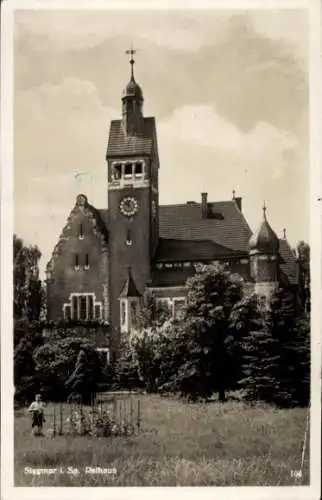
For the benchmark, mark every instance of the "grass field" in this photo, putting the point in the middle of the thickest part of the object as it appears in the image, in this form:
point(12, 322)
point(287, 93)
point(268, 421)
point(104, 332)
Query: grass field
point(179, 445)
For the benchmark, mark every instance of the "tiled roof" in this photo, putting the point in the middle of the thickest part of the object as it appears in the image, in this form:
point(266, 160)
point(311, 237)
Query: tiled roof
point(187, 250)
point(121, 144)
point(129, 289)
point(226, 230)
point(288, 262)
point(171, 277)
point(225, 226)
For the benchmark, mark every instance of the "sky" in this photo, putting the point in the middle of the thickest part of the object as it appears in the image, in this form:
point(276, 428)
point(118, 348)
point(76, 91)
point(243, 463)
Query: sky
point(229, 90)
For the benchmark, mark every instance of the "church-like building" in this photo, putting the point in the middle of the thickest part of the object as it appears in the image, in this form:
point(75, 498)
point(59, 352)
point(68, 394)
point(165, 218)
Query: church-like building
point(107, 260)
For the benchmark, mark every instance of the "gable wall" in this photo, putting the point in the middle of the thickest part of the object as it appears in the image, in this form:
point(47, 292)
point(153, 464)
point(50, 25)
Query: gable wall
point(66, 279)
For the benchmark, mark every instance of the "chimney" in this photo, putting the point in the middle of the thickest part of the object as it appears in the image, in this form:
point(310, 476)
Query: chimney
point(238, 202)
point(204, 205)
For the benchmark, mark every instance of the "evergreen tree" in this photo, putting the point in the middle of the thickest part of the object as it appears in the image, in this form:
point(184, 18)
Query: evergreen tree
point(81, 380)
point(28, 292)
point(276, 355)
point(201, 346)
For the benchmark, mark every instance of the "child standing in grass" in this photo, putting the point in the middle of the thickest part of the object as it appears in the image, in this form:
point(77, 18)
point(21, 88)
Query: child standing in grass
point(38, 416)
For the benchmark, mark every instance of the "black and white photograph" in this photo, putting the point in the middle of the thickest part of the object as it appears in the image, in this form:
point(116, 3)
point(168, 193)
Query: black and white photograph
point(161, 248)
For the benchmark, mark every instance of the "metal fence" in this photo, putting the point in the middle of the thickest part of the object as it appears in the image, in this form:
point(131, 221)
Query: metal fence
point(109, 414)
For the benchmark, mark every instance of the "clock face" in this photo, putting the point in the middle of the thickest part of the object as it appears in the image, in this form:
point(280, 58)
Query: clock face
point(129, 206)
point(154, 209)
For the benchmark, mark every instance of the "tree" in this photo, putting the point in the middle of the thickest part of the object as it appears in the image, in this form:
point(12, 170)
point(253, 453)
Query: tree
point(28, 293)
point(143, 353)
point(24, 371)
point(276, 355)
point(303, 257)
point(201, 345)
point(55, 363)
point(246, 318)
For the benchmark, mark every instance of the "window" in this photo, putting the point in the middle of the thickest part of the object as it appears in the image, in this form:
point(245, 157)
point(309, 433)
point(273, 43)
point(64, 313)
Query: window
point(87, 261)
point(128, 238)
point(74, 307)
point(98, 313)
point(76, 262)
point(178, 307)
point(82, 307)
point(123, 313)
point(90, 307)
point(243, 261)
point(134, 312)
point(116, 172)
point(128, 171)
point(80, 232)
point(67, 312)
point(138, 170)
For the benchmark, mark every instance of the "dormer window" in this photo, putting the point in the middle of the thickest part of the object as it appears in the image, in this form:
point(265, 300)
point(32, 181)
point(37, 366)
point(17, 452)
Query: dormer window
point(128, 171)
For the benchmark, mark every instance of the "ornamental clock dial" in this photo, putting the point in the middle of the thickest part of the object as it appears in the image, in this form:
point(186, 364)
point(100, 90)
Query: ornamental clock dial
point(129, 206)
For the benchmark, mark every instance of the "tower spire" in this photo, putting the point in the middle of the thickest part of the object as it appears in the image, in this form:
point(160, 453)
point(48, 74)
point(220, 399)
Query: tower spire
point(264, 210)
point(131, 52)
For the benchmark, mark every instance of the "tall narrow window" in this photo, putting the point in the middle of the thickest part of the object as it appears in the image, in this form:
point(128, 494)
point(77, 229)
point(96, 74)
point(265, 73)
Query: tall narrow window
point(76, 261)
point(98, 310)
point(178, 307)
point(138, 170)
point(67, 312)
point(90, 308)
point(87, 261)
point(116, 172)
point(123, 313)
point(74, 307)
point(128, 171)
point(83, 307)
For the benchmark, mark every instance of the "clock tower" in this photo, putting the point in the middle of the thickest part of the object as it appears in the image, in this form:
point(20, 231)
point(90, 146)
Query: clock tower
point(133, 197)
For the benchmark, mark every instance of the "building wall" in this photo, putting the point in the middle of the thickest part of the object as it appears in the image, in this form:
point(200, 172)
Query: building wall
point(137, 256)
point(66, 279)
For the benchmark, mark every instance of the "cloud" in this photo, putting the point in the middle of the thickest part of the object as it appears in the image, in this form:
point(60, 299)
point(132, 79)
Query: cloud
point(201, 151)
point(245, 75)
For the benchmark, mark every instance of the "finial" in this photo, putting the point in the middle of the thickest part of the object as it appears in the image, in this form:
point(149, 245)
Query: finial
point(131, 52)
point(284, 233)
point(234, 193)
point(264, 210)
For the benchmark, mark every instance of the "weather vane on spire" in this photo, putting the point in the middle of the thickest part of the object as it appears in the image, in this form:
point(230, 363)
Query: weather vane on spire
point(131, 52)
point(264, 209)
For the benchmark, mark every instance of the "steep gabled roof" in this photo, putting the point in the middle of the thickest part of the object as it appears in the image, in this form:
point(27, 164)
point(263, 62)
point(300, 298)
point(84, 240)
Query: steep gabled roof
point(288, 262)
point(120, 144)
point(99, 227)
point(225, 225)
point(129, 288)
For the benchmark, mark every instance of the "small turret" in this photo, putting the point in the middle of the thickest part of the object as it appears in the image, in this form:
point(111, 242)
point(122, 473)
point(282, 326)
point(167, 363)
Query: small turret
point(264, 262)
point(129, 304)
point(264, 240)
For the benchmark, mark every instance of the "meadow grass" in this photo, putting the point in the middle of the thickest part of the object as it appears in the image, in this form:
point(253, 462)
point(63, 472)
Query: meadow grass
point(179, 444)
